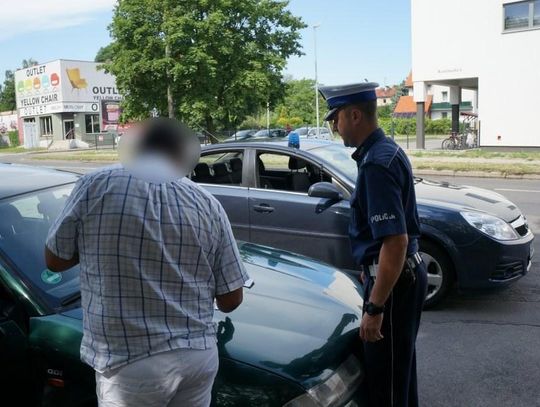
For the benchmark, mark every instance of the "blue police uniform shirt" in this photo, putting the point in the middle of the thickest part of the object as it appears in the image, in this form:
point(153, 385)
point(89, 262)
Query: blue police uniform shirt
point(384, 201)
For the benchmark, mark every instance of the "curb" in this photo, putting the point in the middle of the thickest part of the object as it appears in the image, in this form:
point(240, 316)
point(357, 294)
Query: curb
point(476, 174)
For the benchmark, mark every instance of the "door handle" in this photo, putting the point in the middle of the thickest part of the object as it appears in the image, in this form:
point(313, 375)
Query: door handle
point(263, 208)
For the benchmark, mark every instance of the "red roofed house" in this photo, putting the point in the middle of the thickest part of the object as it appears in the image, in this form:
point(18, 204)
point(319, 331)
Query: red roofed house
point(385, 95)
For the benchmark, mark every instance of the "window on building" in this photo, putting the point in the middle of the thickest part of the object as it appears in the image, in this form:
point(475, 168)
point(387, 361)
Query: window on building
point(536, 13)
point(445, 115)
point(92, 123)
point(45, 125)
point(444, 96)
point(525, 14)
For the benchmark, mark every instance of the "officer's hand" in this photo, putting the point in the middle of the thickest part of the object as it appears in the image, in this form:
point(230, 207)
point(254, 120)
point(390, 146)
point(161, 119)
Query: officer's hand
point(370, 328)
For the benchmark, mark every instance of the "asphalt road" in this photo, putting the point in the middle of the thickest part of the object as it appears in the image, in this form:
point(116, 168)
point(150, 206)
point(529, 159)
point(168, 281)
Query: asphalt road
point(483, 349)
point(479, 348)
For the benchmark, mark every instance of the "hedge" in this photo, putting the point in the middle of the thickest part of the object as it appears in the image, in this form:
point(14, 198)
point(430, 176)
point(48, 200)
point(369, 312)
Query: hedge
point(13, 138)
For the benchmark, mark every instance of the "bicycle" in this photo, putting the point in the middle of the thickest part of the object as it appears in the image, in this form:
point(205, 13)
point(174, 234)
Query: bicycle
point(454, 142)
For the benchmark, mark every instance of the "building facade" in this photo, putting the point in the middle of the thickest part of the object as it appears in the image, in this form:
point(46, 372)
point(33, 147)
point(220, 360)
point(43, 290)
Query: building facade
point(64, 100)
point(436, 103)
point(490, 48)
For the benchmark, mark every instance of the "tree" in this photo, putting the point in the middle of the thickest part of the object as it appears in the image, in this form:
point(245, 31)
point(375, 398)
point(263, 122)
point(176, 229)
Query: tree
point(104, 54)
point(299, 102)
point(219, 60)
point(7, 93)
point(7, 90)
point(400, 91)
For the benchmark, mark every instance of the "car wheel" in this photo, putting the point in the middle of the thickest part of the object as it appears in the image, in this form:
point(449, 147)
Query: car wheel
point(440, 272)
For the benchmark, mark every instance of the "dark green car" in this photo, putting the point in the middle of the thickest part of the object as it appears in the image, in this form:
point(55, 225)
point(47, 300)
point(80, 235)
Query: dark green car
point(293, 342)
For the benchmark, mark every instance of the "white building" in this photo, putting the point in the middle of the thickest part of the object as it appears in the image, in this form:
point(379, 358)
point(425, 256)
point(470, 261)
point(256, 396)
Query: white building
point(65, 99)
point(491, 47)
point(437, 101)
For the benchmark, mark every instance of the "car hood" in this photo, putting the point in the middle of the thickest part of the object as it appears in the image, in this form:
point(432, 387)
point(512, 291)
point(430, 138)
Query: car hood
point(299, 319)
point(467, 197)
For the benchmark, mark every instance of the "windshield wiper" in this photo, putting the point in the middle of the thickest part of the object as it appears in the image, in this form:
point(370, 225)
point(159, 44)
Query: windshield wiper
point(70, 299)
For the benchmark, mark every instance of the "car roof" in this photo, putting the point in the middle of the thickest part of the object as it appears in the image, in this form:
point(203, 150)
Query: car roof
point(305, 144)
point(20, 179)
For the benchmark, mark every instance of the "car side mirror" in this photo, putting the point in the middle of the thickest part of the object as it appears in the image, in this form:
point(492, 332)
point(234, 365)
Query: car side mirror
point(325, 190)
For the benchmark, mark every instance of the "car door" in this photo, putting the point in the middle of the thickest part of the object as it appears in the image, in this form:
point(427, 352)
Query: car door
point(223, 174)
point(15, 371)
point(283, 215)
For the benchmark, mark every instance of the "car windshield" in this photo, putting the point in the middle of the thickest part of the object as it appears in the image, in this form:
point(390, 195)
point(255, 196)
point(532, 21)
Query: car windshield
point(338, 156)
point(24, 223)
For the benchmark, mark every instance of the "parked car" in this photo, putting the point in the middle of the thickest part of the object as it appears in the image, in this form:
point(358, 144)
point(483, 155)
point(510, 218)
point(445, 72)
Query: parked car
point(241, 135)
point(324, 133)
point(269, 135)
point(310, 356)
point(311, 132)
point(302, 131)
point(298, 200)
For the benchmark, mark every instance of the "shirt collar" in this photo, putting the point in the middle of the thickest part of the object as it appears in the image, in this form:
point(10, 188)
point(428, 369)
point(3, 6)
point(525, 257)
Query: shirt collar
point(373, 138)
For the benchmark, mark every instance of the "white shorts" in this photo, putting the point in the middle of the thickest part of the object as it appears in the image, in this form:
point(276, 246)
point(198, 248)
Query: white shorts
point(182, 377)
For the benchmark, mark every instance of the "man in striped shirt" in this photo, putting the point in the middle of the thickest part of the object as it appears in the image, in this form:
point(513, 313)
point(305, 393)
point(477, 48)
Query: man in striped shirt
point(155, 251)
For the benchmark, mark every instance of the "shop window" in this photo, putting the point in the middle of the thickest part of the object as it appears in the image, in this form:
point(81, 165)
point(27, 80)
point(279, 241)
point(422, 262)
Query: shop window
point(45, 125)
point(92, 123)
point(522, 15)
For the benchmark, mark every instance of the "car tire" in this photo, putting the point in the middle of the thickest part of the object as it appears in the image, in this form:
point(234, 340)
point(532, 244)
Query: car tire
point(440, 272)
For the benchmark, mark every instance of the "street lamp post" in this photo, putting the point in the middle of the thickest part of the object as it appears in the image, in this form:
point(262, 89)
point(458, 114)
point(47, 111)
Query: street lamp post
point(316, 81)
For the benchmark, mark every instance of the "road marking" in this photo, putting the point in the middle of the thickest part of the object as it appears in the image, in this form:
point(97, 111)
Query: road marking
point(517, 190)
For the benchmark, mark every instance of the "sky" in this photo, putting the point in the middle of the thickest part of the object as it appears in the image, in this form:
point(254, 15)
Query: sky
point(356, 39)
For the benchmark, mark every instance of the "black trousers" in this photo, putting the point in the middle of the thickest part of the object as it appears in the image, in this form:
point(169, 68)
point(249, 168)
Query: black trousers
point(391, 362)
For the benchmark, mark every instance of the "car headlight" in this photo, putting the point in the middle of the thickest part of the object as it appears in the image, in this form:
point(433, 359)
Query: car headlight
point(490, 225)
point(335, 390)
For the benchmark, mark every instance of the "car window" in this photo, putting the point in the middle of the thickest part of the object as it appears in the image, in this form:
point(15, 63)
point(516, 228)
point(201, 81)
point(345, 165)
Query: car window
point(24, 225)
point(219, 168)
point(287, 172)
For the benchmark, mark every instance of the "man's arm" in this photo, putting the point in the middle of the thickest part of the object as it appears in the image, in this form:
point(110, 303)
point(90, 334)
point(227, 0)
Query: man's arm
point(230, 301)
point(58, 264)
point(391, 261)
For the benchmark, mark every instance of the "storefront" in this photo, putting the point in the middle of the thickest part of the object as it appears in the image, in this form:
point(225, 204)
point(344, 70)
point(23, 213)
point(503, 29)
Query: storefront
point(63, 100)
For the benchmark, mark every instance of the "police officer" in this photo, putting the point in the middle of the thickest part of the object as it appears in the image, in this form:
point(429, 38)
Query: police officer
point(384, 233)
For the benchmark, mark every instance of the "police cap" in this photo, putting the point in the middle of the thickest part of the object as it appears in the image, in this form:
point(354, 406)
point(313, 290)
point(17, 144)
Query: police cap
point(339, 96)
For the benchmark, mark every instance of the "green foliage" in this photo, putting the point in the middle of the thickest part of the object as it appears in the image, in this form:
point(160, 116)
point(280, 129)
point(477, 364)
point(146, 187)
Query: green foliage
point(224, 62)
point(385, 112)
point(13, 138)
point(7, 93)
point(298, 105)
point(441, 126)
point(408, 126)
point(105, 54)
point(400, 91)
point(7, 90)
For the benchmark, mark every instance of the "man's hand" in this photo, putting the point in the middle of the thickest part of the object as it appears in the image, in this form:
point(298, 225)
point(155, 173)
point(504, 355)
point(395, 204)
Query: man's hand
point(230, 301)
point(370, 327)
point(58, 264)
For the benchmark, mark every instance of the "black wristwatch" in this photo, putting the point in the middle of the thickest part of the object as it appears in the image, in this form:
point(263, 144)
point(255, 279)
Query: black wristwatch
point(372, 309)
